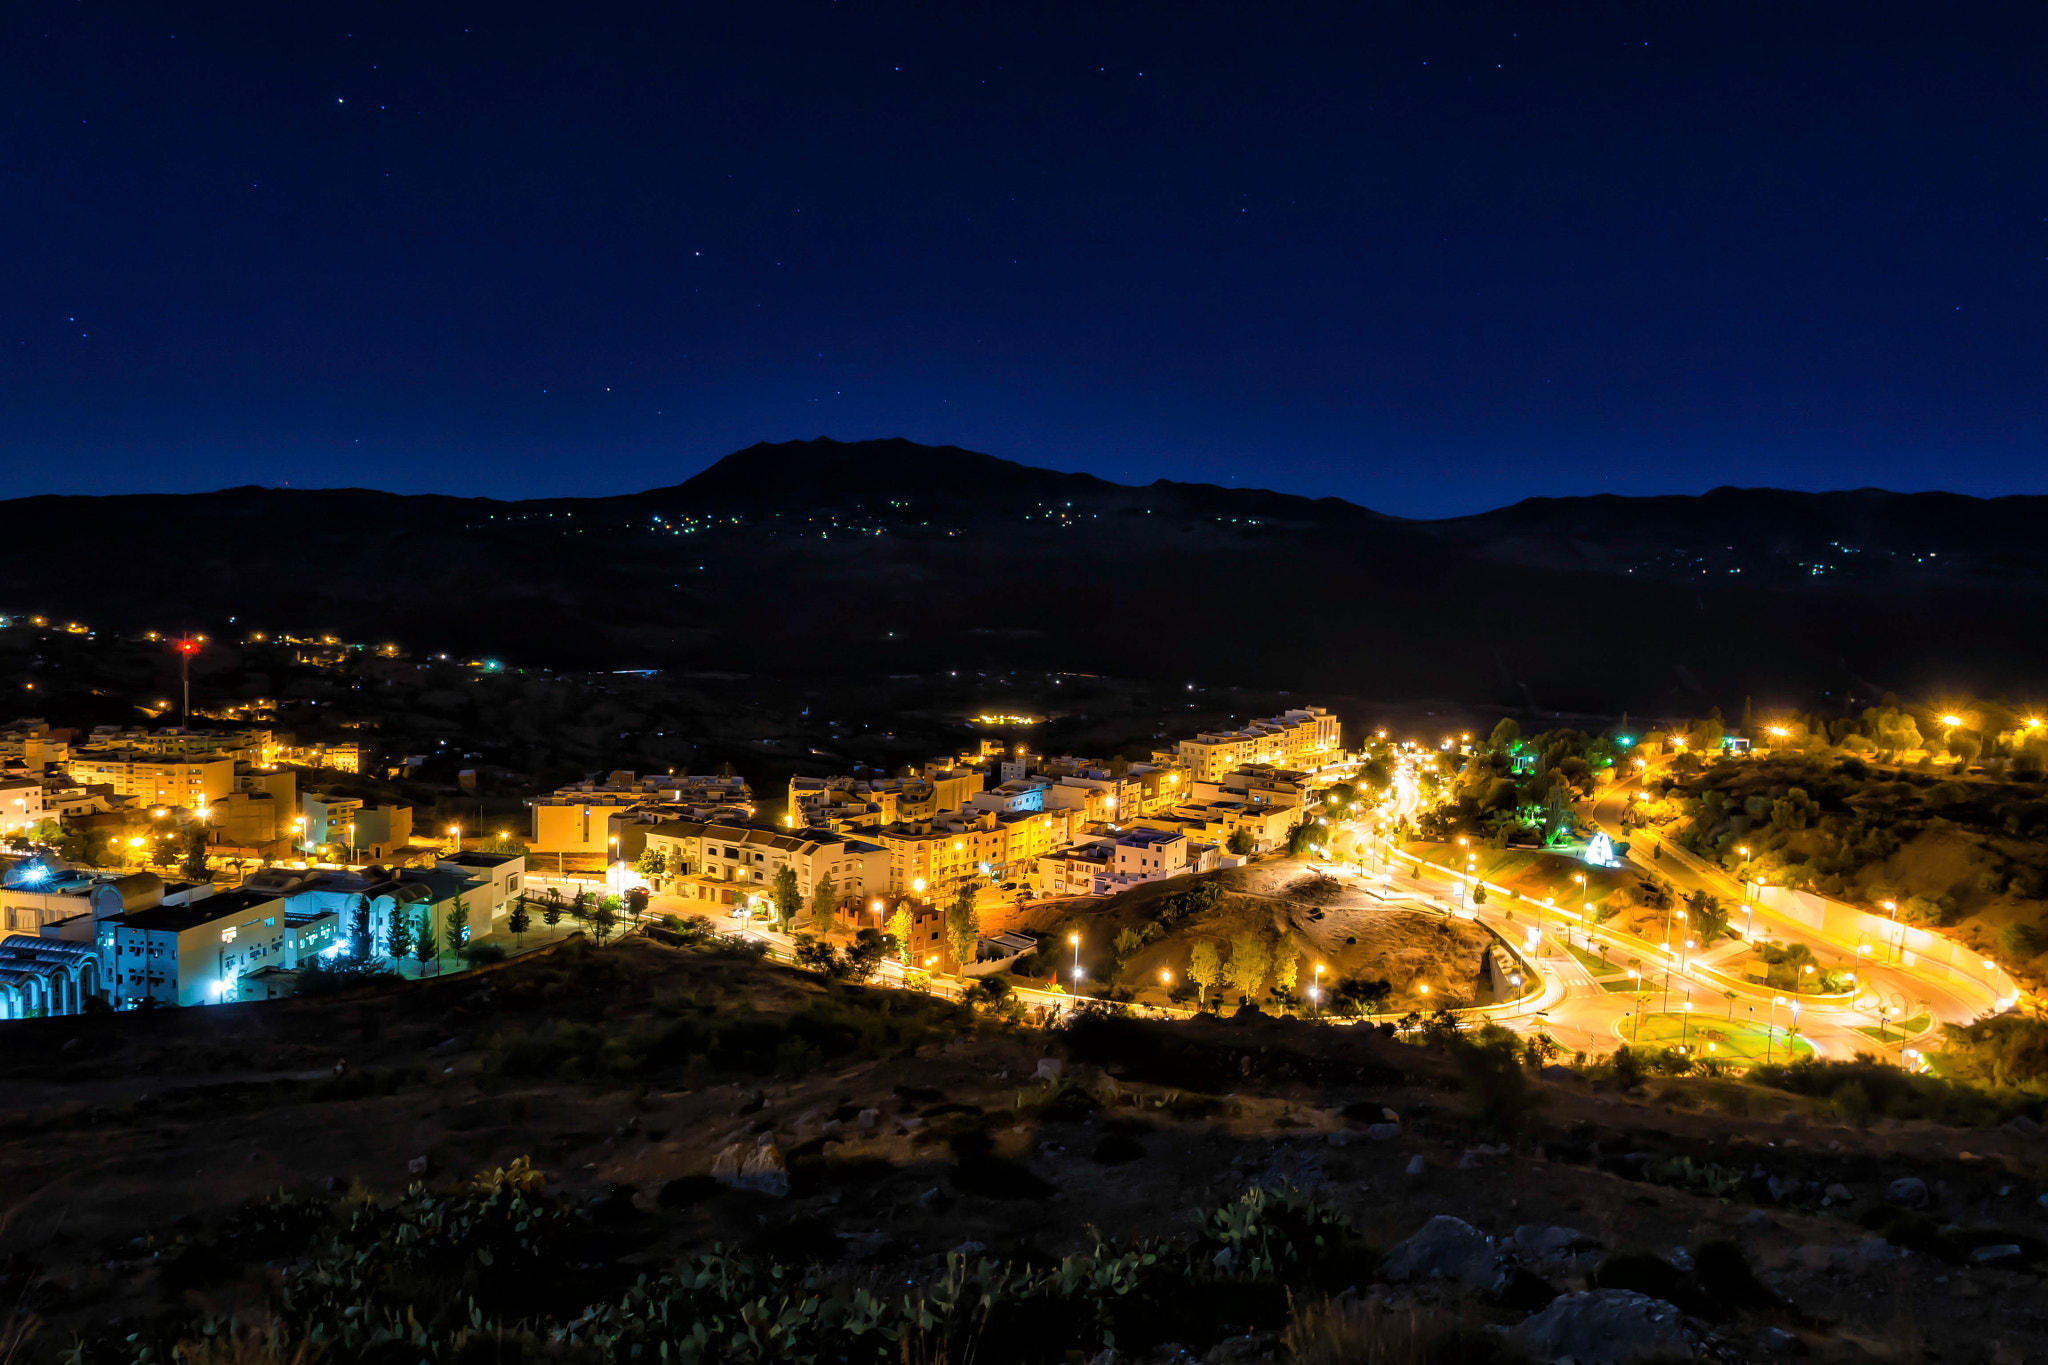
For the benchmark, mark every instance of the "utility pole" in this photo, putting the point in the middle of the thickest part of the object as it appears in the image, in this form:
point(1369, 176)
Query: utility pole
point(187, 647)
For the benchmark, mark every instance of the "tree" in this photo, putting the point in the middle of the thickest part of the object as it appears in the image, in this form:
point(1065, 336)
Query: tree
point(520, 920)
point(1708, 917)
point(359, 929)
point(824, 900)
point(1241, 842)
point(579, 908)
point(1479, 895)
point(1360, 996)
point(652, 863)
point(1250, 959)
point(784, 896)
point(900, 926)
point(1505, 735)
point(2020, 940)
point(603, 919)
point(194, 866)
point(551, 907)
point(1205, 967)
point(401, 936)
point(458, 926)
point(866, 954)
point(425, 948)
point(1286, 966)
point(963, 926)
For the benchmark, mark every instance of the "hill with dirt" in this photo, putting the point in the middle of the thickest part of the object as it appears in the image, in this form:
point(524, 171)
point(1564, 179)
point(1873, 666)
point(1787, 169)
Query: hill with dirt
point(708, 1132)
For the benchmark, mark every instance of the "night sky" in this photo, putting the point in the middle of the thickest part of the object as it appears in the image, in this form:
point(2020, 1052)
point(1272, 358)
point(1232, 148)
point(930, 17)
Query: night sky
point(1432, 259)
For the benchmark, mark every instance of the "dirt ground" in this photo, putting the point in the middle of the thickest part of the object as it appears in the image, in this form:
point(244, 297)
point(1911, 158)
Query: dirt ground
point(1348, 930)
point(124, 1135)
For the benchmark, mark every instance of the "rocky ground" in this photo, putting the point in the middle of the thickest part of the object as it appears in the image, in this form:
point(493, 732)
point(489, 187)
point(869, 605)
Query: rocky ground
point(681, 1097)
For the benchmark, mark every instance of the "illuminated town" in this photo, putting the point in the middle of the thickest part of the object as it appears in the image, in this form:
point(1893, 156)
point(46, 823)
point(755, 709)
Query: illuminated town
point(831, 684)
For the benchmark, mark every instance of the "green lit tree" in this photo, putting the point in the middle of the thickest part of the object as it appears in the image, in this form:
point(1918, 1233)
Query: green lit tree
point(401, 936)
point(652, 863)
point(456, 931)
point(520, 920)
point(1241, 842)
point(784, 895)
point(425, 948)
point(900, 928)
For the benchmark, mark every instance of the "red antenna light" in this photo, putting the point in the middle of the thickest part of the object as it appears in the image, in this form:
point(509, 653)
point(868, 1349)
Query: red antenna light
point(188, 647)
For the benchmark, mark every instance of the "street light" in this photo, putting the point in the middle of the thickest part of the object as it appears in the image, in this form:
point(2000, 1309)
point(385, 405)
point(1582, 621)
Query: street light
point(1899, 938)
point(1771, 1033)
point(1315, 991)
point(1075, 939)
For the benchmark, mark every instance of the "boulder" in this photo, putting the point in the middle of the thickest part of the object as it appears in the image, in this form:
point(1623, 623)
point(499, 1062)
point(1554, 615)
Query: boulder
point(870, 1118)
point(1547, 1246)
point(1049, 1069)
point(765, 1170)
point(2002, 1253)
point(725, 1167)
point(1389, 1115)
point(2022, 1126)
point(1383, 1132)
point(1445, 1248)
point(1756, 1218)
point(1605, 1327)
point(1908, 1191)
point(416, 1167)
point(1837, 1194)
point(1416, 1165)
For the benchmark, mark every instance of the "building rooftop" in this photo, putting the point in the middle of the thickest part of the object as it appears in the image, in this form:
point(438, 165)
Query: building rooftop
point(175, 919)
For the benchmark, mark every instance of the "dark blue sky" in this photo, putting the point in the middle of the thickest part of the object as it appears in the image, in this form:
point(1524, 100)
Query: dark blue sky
point(1430, 258)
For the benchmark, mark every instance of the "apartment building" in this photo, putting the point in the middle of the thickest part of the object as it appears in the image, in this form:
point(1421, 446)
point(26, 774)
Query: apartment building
point(22, 804)
point(1303, 739)
point(191, 954)
point(579, 821)
point(728, 864)
point(348, 828)
point(191, 781)
point(1261, 785)
point(255, 746)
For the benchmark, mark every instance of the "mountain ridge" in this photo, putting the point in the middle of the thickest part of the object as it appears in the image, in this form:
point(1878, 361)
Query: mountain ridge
point(896, 557)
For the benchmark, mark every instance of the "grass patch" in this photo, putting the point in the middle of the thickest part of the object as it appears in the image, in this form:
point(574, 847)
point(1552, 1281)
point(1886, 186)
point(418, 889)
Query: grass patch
point(1593, 962)
point(1895, 1032)
point(1738, 1041)
point(1621, 987)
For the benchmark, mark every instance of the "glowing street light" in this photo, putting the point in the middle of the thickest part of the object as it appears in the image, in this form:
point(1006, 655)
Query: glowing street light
point(1075, 939)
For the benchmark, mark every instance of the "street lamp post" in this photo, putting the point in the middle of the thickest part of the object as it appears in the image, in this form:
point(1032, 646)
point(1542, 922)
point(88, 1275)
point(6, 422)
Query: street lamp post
point(1771, 1033)
point(1315, 992)
point(1075, 939)
point(1899, 935)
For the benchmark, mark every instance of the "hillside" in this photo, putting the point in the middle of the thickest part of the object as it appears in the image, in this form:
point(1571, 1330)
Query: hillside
point(889, 557)
point(256, 1160)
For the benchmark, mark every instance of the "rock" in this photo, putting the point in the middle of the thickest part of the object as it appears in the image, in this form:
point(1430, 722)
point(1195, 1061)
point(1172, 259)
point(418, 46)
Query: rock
point(1049, 1069)
point(1878, 1249)
point(1445, 1248)
point(831, 1149)
point(417, 1166)
point(1605, 1327)
point(1908, 1191)
point(911, 1124)
point(832, 1128)
point(969, 1249)
point(1757, 1218)
point(2002, 1253)
point(766, 1139)
point(725, 1167)
point(1682, 1258)
point(1546, 1246)
point(934, 1200)
point(1389, 1115)
point(1383, 1132)
point(1241, 1350)
point(1416, 1165)
point(2020, 1125)
point(870, 1119)
point(1780, 1342)
point(1106, 1356)
point(1837, 1194)
point(766, 1171)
